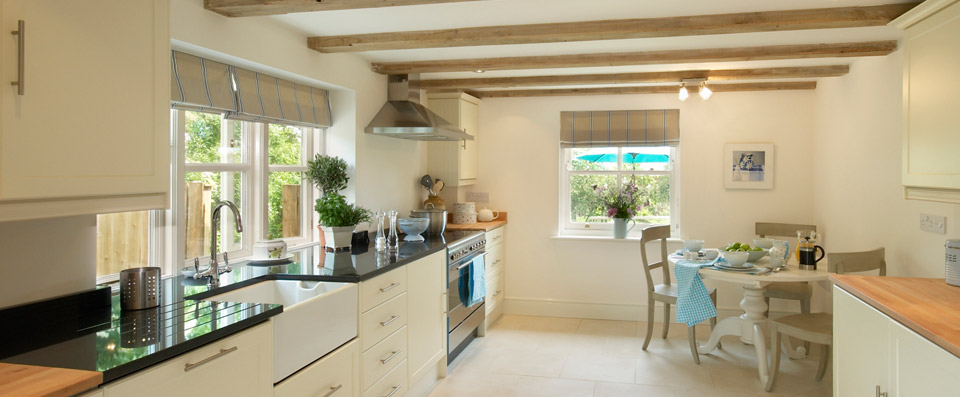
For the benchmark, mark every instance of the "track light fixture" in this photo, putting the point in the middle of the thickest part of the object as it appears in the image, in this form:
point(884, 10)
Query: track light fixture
point(683, 92)
point(704, 91)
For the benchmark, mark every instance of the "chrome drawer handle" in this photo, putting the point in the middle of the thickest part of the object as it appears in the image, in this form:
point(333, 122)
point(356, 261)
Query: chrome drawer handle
point(395, 388)
point(333, 390)
point(390, 287)
point(21, 43)
point(497, 238)
point(384, 361)
point(222, 353)
point(497, 262)
point(497, 293)
point(392, 319)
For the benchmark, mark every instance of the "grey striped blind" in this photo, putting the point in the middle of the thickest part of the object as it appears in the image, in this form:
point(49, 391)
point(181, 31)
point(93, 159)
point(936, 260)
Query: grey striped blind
point(261, 97)
point(201, 84)
point(620, 128)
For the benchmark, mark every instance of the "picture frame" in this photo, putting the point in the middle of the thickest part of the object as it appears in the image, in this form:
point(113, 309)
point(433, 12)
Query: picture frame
point(748, 166)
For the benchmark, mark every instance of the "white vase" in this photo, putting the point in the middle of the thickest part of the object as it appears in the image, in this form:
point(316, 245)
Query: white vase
point(620, 227)
point(338, 237)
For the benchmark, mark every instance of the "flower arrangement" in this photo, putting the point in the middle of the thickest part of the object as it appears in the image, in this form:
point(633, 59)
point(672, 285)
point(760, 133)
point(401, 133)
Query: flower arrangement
point(623, 204)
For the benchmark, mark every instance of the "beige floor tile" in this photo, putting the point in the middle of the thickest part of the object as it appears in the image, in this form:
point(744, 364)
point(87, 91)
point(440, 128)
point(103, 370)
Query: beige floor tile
point(598, 367)
point(607, 327)
point(551, 324)
point(573, 343)
point(674, 369)
point(605, 389)
point(530, 362)
point(531, 386)
point(476, 386)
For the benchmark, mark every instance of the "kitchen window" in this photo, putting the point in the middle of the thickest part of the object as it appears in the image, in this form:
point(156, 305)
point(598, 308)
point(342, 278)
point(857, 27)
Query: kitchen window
point(653, 169)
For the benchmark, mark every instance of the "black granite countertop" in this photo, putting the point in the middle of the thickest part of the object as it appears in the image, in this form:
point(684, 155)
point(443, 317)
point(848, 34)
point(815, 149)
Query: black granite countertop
point(96, 335)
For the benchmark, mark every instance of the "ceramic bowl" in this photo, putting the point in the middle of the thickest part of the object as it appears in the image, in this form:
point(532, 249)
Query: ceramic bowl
point(269, 249)
point(711, 254)
point(412, 227)
point(693, 245)
point(755, 255)
point(735, 258)
point(763, 243)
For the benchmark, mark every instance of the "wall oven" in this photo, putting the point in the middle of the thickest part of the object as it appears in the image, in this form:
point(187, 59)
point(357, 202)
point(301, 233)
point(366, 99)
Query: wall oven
point(463, 323)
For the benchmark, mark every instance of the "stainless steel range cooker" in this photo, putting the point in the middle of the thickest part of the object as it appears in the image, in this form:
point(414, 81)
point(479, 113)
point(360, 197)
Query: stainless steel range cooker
point(463, 323)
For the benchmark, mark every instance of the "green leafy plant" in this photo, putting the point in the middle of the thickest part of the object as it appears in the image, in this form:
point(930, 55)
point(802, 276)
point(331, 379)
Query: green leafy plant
point(328, 173)
point(334, 211)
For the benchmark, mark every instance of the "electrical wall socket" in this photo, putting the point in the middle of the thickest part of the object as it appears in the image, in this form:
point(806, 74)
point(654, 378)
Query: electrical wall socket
point(933, 223)
point(481, 197)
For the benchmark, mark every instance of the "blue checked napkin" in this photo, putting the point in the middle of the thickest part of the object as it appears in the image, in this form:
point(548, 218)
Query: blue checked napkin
point(693, 301)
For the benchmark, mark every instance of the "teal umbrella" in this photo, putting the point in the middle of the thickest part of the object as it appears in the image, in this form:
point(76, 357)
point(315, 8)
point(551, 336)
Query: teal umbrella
point(628, 158)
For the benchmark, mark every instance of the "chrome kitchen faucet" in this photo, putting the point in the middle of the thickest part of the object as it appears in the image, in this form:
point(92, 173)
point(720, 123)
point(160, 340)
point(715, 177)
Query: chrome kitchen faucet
point(215, 271)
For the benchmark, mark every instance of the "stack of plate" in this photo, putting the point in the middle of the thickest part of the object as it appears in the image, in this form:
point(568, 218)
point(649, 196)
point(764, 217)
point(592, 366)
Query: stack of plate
point(747, 267)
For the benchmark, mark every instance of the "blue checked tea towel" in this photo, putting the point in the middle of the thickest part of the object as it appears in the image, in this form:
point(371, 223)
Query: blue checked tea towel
point(693, 301)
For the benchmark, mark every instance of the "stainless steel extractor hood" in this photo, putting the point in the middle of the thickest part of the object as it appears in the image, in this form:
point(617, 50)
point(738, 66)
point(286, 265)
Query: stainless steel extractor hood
point(404, 117)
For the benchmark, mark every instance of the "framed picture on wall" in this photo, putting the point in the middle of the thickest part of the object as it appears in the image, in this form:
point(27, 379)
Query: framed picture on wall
point(748, 166)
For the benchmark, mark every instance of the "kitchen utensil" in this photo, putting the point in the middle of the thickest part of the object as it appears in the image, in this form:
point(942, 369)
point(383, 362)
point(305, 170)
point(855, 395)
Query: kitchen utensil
point(381, 241)
point(464, 218)
point(412, 227)
point(755, 255)
point(435, 202)
point(807, 248)
point(269, 249)
point(426, 181)
point(438, 186)
point(693, 245)
point(746, 267)
point(437, 217)
point(393, 241)
point(806, 238)
point(953, 262)
point(711, 254)
point(735, 258)
point(487, 215)
point(763, 242)
point(139, 288)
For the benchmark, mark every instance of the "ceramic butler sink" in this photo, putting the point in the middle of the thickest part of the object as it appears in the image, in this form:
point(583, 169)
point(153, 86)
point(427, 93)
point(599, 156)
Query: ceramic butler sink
point(317, 318)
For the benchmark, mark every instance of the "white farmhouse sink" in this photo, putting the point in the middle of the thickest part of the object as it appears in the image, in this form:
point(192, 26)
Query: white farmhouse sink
point(317, 318)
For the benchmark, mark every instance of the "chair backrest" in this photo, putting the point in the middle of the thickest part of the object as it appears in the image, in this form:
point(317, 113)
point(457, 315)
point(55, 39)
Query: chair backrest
point(764, 229)
point(852, 262)
point(654, 233)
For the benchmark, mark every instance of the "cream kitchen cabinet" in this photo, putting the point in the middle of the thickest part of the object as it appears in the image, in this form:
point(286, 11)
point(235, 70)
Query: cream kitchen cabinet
point(427, 326)
point(90, 131)
point(871, 351)
point(455, 162)
point(383, 330)
point(335, 375)
point(931, 124)
point(236, 366)
point(495, 262)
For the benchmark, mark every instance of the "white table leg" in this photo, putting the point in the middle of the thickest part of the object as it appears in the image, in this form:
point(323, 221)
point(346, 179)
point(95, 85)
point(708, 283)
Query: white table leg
point(753, 307)
point(759, 343)
point(727, 326)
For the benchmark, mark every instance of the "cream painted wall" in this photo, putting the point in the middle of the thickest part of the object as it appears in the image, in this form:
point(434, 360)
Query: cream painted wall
point(47, 258)
point(856, 160)
point(519, 159)
point(385, 169)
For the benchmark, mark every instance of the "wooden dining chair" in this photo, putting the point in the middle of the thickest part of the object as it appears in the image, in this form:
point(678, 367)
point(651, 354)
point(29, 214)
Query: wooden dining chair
point(818, 327)
point(792, 291)
point(665, 292)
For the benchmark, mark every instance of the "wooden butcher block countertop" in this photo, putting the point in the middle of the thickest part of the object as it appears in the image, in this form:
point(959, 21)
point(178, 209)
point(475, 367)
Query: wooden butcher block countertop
point(482, 226)
point(928, 306)
point(30, 380)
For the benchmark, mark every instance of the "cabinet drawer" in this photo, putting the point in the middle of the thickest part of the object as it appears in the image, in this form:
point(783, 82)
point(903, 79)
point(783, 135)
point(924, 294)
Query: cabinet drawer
point(494, 291)
point(246, 359)
point(495, 237)
point(381, 288)
point(335, 375)
point(494, 260)
point(383, 356)
point(382, 320)
point(394, 384)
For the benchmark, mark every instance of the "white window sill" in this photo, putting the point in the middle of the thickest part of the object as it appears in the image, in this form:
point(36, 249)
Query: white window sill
point(629, 239)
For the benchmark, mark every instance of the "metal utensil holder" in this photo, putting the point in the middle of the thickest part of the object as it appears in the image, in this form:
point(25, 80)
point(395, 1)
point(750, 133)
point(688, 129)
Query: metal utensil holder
point(139, 288)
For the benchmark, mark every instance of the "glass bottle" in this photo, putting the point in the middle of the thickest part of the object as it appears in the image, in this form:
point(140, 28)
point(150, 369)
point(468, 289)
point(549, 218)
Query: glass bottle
point(381, 242)
point(393, 241)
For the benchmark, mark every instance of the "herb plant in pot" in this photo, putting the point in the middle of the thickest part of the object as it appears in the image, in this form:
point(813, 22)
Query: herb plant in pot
point(621, 205)
point(338, 219)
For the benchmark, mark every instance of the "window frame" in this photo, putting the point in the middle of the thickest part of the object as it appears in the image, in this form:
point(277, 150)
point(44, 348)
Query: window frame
point(311, 144)
point(567, 227)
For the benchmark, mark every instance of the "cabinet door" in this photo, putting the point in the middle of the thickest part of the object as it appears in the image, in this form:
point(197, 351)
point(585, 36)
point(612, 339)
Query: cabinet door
point(470, 122)
point(426, 329)
point(335, 375)
point(94, 117)
point(919, 367)
point(861, 346)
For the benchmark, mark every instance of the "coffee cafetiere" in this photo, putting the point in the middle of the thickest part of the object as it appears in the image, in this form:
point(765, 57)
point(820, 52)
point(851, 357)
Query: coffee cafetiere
point(807, 249)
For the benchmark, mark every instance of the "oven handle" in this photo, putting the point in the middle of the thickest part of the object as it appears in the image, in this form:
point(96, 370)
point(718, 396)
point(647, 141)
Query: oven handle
point(471, 260)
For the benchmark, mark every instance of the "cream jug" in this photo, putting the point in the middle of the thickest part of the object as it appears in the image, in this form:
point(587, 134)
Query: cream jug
point(487, 215)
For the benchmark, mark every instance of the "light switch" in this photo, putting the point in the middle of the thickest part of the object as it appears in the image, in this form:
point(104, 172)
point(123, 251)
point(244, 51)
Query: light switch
point(933, 223)
point(481, 197)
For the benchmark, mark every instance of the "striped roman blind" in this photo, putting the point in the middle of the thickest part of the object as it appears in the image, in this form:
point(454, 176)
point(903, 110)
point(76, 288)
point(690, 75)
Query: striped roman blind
point(620, 128)
point(201, 84)
point(261, 97)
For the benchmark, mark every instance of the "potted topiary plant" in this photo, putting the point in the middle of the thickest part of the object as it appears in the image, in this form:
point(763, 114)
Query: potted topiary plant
point(337, 218)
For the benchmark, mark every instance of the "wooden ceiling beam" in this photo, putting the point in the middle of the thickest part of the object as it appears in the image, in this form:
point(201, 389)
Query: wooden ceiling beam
point(662, 89)
point(801, 51)
point(634, 78)
point(249, 8)
point(746, 22)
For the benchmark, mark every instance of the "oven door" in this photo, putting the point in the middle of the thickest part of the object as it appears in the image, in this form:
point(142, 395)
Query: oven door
point(456, 313)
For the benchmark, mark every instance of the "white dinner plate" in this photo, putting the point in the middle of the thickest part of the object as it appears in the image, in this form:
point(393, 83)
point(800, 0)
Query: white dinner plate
point(747, 267)
point(271, 262)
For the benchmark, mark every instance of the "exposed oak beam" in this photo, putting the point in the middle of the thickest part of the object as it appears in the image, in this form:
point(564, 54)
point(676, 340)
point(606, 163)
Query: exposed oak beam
point(801, 51)
point(249, 8)
point(746, 22)
point(800, 85)
point(633, 78)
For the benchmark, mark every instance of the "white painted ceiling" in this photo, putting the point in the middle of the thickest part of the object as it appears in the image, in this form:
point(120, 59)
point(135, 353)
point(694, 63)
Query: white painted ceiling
point(512, 12)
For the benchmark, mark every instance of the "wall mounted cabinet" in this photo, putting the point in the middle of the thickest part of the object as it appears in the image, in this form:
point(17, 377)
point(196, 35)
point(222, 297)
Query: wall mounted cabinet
point(455, 162)
point(931, 135)
point(90, 131)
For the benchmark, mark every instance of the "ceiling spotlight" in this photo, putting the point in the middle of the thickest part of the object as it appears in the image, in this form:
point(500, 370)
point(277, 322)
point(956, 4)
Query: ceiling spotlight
point(683, 92)
point(705, 91)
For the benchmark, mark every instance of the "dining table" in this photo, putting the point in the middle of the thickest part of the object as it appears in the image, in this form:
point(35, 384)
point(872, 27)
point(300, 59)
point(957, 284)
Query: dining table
point(751, 325)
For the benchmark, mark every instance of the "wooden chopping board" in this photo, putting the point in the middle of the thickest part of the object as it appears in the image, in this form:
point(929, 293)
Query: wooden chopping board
point(31, 380)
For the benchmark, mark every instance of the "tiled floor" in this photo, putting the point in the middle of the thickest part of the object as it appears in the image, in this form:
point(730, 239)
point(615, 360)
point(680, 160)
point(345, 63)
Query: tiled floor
point(545, 356)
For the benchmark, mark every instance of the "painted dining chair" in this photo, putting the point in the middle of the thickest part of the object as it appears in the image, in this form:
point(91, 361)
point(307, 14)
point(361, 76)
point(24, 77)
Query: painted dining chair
point(665, 292)
point(818, 327)
point(791, 291)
